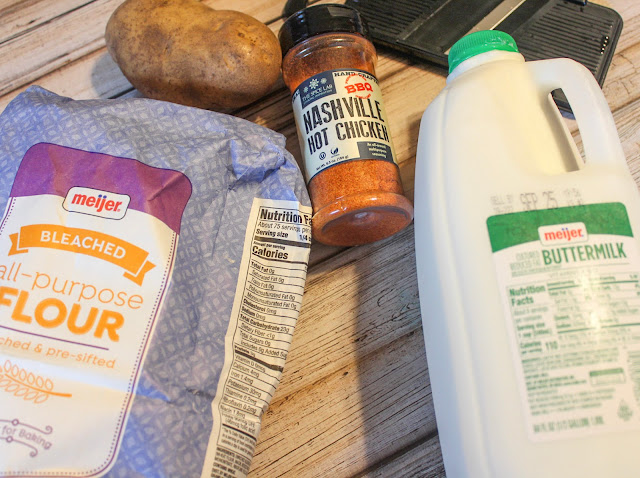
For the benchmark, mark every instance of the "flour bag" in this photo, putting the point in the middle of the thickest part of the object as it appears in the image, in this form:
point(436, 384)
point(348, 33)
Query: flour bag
point(152, 263)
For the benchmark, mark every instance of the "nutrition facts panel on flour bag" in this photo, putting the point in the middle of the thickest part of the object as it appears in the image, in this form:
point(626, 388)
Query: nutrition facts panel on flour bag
point(267, 303)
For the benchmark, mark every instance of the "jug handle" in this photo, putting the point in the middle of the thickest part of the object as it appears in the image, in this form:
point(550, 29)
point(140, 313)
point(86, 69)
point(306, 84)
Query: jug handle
point(597, 127)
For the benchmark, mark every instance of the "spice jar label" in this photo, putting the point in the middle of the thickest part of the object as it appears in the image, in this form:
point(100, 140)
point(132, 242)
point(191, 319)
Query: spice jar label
point(340, 117)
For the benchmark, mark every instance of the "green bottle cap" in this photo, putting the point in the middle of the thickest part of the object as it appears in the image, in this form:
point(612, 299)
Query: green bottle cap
point(479, 42)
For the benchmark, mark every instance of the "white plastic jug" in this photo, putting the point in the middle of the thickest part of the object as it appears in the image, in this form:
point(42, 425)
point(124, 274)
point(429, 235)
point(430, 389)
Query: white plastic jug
point(528, 266)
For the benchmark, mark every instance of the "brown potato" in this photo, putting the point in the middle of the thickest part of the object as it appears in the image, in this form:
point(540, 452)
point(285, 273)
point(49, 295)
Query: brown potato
point(185, 52)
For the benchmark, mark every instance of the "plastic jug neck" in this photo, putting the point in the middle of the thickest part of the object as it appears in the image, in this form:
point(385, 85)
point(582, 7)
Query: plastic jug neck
point(482, 59)
point(479, 44)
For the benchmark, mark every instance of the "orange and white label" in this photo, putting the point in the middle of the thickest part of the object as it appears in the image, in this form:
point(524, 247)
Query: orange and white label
point(83, 275)
point(106, 247)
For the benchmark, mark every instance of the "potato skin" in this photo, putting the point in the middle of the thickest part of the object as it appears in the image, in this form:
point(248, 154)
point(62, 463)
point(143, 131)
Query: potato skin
point(186, 52)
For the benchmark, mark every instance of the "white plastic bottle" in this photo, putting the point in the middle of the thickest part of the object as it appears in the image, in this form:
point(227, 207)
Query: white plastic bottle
point(528, 266)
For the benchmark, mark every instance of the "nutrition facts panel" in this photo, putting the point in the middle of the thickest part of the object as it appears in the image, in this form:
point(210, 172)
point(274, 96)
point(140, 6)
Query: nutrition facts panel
point(584, 310)
point(578, 338)
point(569, 281)
point(266, 308)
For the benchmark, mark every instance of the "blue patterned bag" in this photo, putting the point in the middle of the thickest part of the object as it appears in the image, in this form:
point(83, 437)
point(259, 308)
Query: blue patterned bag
point(152, 263)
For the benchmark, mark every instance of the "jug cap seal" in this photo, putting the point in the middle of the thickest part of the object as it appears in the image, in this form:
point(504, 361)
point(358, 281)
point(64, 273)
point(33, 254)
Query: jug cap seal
point(480, 42)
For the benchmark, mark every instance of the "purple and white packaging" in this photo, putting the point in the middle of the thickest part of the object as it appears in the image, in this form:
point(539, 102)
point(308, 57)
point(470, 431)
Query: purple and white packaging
point(152, 263)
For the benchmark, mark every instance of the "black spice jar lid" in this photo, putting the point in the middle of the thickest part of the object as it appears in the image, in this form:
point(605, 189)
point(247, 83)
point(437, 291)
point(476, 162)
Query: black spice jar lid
point(318, 19)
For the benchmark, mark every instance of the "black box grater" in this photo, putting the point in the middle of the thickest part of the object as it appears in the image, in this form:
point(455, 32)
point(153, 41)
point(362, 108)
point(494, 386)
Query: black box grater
point(585, 32)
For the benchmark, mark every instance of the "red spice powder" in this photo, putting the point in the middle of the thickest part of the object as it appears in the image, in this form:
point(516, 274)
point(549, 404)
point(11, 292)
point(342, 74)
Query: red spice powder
point(357, 201)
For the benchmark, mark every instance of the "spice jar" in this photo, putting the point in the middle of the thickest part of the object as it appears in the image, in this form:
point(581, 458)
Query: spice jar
point(350, 168)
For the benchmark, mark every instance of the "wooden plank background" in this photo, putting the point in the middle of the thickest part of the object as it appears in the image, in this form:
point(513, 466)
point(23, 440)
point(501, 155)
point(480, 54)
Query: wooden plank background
point(355, 398)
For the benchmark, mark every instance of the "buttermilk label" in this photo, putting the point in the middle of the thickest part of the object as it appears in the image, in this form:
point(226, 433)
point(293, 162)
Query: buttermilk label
point(340, 117)
point(85, 261)
point(569, 280)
